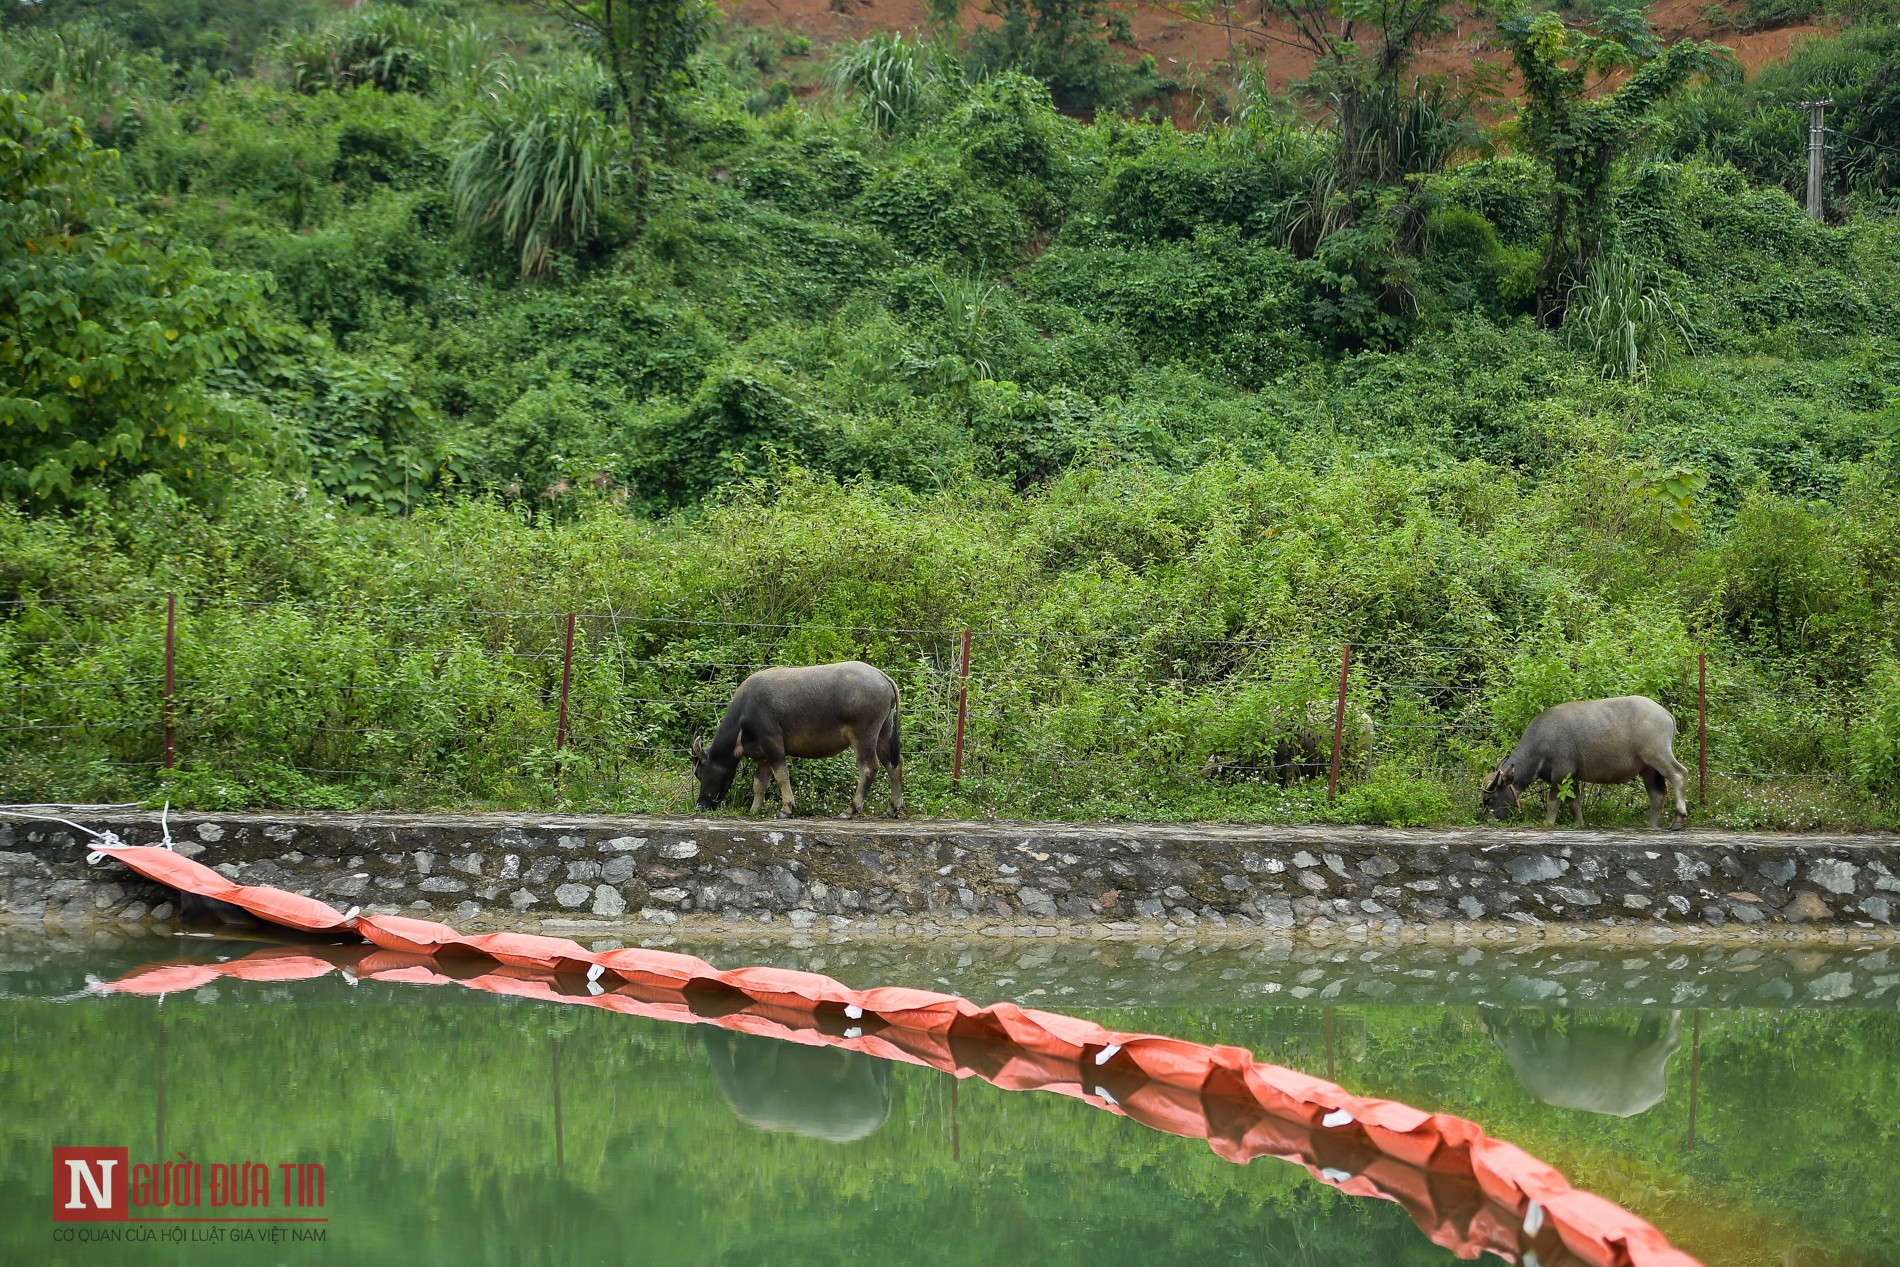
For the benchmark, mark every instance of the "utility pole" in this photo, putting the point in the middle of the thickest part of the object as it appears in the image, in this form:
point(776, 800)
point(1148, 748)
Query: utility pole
point(1817, 140)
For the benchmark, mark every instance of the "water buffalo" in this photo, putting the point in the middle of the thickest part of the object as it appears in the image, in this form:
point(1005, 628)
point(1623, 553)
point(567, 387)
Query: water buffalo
point(827, 1093)
point(1578, 1062)
point(816, 711)
point(1592, 741)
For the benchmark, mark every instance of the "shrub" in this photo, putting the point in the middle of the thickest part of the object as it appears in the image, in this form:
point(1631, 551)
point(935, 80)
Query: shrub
point(1218, 299)
point(814, 175)
point(896, 83)
point(1393, 800)
point(1467, 266)
point(1511, 193)
point(109, 334)
point(744, 421)
point(930, 207)
point(1876, 738)
point(372, 259)
point(383, 45)
point(533, 166)
point(1007, 129)
point(1254, 180)
point(1624, 318)
point(1584, 650)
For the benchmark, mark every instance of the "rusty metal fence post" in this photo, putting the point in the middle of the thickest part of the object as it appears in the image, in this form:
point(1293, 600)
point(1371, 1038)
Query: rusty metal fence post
point(1339, 720)
point(963, 707)
point(567, 680)
point(1702, 725)
point(171, 682)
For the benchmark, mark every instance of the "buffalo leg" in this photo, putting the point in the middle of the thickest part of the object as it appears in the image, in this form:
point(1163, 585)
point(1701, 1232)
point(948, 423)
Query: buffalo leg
point(865, 747)
point(892, 758)
point(1678, 776)
point(867, 774)
point(895, 774)
point(761, 779)
point(1576, 799)
point(783, 773)
point(1553, 802)
point(1655, 784)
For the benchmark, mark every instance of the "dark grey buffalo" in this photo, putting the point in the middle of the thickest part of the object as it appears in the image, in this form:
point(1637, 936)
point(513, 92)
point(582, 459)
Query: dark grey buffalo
point(826, 1093)
point(816, 711)
point(1580, 1062)
point(1592, 741)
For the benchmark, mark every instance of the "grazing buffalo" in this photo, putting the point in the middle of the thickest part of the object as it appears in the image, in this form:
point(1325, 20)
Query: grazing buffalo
point(1579, 1062)
point(826, 1093)
point(1592, 741)
point(817, 711)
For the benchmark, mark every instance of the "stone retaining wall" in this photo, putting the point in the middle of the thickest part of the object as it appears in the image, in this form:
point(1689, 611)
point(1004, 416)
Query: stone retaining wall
point(921, 877)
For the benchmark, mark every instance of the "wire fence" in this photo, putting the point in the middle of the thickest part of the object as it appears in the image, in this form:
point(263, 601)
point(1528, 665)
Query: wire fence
point(335, 704)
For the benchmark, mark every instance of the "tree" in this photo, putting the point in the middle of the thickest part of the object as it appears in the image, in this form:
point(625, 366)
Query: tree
point(1578, 135)
point(645, 46)
point(1064, 43)
point(108, 333)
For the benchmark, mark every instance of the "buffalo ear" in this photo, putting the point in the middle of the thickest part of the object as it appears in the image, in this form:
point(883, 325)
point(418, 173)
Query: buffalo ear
point(699, 749)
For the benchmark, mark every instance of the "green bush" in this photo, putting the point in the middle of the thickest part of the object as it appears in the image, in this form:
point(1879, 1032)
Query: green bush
point(1395, 801)
point(394, 49)
point(1218, 298)
point(1247, 179)
point(930, 207)
point(534, 166)
point(897, 84)
point(108, 334)
point(1624, 318)
point(1876, 743)
point(1583, 651)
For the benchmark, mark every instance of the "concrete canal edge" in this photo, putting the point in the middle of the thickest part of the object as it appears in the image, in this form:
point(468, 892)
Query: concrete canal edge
point(603, 876)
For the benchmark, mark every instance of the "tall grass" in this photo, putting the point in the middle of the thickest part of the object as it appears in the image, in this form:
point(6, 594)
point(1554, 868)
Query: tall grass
point(394, 49)
point(378, 44)
point(58, 60)
point(533, 166)
point(895, 82)
point(1623, 317)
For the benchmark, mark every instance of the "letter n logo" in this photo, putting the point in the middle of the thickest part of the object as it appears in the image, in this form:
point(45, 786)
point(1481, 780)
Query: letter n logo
point(89, 1185)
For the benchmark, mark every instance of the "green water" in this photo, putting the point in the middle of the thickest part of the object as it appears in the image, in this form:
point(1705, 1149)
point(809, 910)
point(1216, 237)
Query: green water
point(462, 1128)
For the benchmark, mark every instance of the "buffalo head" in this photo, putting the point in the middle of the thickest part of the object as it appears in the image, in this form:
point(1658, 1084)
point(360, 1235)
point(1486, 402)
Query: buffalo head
point(714, 770)
point(1498, 795)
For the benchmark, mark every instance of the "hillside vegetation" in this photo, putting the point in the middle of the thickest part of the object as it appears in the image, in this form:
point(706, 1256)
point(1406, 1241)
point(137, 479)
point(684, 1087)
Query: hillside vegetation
point(384, 337)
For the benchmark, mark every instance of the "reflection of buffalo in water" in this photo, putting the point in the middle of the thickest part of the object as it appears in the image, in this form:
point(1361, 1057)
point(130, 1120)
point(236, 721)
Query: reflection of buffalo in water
point(824, 1092)
point(1597, 1066)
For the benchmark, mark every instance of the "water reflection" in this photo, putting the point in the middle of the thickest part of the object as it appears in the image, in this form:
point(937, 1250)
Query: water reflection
point(436, 1109)
point(1572, 1060)
point(820, 1092)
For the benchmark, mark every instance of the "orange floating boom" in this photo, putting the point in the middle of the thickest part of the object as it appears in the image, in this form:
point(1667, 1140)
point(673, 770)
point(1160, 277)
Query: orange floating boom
point(1512, 1204)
